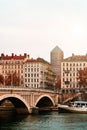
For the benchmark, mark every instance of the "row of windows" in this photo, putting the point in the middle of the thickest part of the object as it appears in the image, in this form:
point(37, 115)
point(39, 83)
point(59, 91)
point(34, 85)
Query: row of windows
point(69, 80)
point(32, 75)
point(70, 74)
point(72, 69)
point(12, 62)
point(74, 64)
point(32, 80)
point(71, 86)
point(12, 66)
point(31, 69)
point(13, 71)
point(32, 65)
point(32, 85)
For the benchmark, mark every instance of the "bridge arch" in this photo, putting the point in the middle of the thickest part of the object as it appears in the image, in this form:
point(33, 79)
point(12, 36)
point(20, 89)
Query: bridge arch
point(44, 101)
point(17, 101)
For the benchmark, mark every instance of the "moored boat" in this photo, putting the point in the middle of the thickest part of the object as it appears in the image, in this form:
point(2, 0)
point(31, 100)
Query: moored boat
point(73, 107)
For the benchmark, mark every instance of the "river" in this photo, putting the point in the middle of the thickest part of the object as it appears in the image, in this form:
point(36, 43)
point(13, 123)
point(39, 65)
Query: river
point(45, 121)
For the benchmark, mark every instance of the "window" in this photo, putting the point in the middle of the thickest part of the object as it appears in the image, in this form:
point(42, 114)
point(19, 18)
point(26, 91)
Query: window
point(28, 80)
point(31, 69)
point(37, 69)
point(28, 69)
point(25, 75)
point(34, 69)
point(66, 64)
point(28, 75)
point(73, 74)
point(31, 80)
point(73, 69)
point(31, 75)
point(34, 75)
point(34, 80)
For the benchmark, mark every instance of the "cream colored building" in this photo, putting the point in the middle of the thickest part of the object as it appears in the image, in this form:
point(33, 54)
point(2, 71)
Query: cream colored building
point(39, 74)
point(69, 70)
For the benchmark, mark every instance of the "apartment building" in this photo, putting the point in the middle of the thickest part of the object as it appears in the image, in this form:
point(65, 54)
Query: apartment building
point(13, 64)
point(69, 70)
point(39, 74)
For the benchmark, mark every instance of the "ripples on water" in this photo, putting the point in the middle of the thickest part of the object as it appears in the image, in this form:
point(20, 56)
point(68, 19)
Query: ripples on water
point(47, 121)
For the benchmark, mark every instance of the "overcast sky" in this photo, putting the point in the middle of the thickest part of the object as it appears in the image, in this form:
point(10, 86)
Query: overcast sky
point(37, 26)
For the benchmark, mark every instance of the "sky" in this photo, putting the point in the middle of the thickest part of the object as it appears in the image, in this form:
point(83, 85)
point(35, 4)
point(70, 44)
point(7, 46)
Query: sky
point(37, 26)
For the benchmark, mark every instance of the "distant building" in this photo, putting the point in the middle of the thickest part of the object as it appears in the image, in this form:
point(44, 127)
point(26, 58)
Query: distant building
point(13, 64)
point(56, 56)
point(39, 74)
point(69, 70)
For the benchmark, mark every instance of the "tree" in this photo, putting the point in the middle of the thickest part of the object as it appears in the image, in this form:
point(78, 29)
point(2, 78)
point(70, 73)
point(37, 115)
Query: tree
point(58, 83)
point(12, 79)
point(82, 78)
point(1, 79)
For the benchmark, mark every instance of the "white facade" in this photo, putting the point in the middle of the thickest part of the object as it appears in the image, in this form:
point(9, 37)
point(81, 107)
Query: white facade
point(69, 71)
point(38, 74)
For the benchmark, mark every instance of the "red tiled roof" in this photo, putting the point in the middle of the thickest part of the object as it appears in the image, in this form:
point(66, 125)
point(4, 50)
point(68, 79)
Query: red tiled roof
point(14, 57)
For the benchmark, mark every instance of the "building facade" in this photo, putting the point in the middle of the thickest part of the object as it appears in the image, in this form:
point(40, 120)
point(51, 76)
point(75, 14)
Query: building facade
point(69, 70)
point(11, 65)
point(56, 56)
point(39, 74)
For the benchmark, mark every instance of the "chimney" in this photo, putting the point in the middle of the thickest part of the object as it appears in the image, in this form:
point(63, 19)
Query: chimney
point(12, 55)
point(2, 55)
point(25, 54)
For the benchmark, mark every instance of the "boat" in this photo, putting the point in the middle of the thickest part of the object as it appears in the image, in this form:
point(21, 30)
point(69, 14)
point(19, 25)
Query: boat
point(73, 107)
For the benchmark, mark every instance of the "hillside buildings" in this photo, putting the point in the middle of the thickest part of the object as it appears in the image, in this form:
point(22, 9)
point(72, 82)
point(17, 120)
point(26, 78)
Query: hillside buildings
point(56, 56)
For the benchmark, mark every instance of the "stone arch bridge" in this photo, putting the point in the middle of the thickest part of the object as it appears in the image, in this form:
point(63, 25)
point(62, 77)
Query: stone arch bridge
point(27, 100)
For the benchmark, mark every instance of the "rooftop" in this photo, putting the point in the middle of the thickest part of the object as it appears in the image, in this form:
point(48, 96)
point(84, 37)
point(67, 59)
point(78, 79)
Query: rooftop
point(77, 58)
point(56, 49)
point(14, 57)
point(38, 60)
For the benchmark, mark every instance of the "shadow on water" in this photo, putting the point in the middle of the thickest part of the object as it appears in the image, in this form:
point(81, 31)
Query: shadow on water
point(45, 120)
point(10, 116)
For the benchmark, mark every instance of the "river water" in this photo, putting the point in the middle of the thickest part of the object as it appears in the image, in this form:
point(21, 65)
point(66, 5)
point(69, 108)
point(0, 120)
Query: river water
point(45, 121)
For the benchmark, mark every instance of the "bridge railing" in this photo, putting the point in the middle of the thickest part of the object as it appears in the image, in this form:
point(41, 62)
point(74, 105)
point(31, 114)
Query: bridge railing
point(19, 88)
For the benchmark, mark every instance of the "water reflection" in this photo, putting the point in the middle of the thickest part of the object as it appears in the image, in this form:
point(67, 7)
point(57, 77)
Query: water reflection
point(44, 121)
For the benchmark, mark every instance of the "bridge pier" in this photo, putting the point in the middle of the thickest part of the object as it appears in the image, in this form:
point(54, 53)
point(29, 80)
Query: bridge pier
point(24, 111)
point(34, 110)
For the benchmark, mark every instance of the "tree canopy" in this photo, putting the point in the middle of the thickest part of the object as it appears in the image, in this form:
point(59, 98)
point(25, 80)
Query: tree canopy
point(82, 78)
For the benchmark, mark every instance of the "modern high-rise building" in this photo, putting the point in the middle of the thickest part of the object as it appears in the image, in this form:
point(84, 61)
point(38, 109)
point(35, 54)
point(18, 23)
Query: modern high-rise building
point(56, 57)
